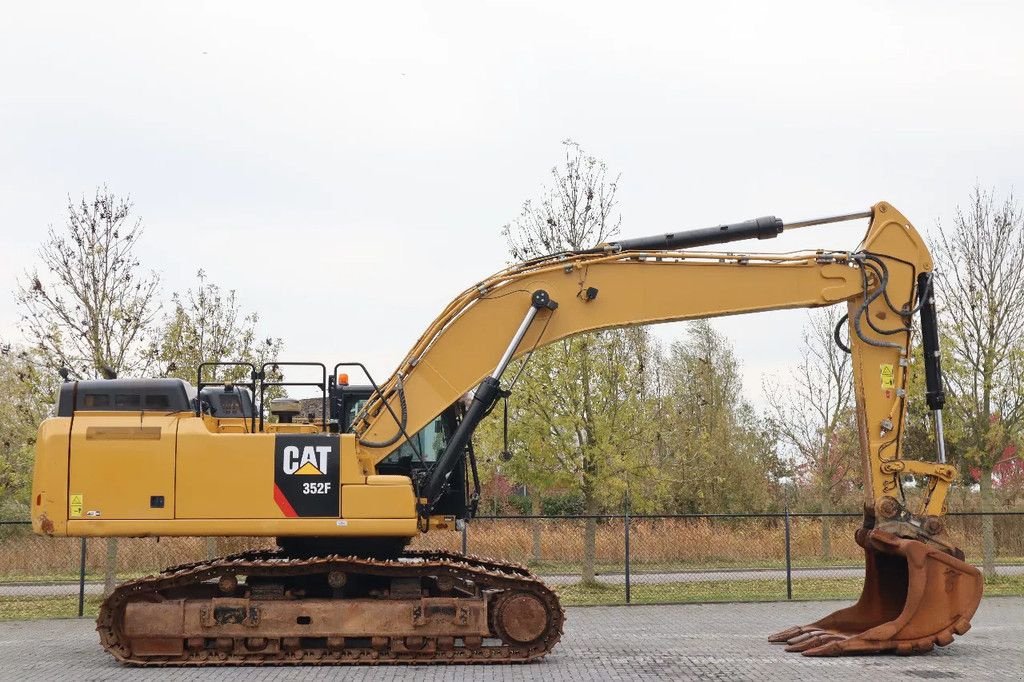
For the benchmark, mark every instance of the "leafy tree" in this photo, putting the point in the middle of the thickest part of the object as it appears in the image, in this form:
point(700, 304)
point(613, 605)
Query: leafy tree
point(815, 417)
point(208, 325)
point(720, 455)
point(919, 427)
point(24, 403)
point(90, 307)
point(523, 454)
point(578, 401)
point(981, 295)
point(578, 421)
point(1010, 470)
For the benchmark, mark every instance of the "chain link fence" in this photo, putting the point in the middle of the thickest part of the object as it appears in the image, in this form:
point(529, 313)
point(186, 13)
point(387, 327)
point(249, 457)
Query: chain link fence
point(602, 559)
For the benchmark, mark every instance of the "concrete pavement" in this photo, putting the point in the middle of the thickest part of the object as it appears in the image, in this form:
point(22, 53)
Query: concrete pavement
point(700, 641)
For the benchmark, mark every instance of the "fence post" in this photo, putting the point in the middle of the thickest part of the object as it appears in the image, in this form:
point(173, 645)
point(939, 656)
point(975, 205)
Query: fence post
point(625, 516)
point(81, 581)
point(465, 536)
point(789, 558)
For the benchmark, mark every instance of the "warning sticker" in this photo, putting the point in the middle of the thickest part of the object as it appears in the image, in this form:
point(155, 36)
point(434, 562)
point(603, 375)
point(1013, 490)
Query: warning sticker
point(888, 377)
point(75, 504)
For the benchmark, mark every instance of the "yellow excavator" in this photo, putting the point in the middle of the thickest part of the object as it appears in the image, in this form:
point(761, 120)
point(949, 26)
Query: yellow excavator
point(344, 488)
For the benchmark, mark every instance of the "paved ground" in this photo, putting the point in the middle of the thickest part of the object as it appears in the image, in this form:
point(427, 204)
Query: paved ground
point(65, 589)
point(718, 642)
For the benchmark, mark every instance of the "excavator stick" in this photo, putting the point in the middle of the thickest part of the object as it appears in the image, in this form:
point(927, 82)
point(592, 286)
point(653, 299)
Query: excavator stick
point(914, 596)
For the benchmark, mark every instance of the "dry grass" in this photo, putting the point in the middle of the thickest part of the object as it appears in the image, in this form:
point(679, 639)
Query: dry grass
point(655, 545)
point(29, 558)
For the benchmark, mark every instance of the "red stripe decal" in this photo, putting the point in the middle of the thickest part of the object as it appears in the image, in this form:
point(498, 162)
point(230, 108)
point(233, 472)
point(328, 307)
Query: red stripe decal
point(283, 503)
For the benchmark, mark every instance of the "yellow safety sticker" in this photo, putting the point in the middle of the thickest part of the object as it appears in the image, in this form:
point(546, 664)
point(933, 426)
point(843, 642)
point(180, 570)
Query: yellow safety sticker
point(75, 504)
point(888, 378)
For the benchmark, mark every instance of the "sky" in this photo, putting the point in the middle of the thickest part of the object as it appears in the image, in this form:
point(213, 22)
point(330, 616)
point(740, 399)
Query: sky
point(347, 167)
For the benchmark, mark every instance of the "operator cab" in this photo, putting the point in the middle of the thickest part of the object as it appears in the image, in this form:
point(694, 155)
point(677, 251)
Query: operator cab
point(416, 455)
point(346, 402)
point(427, 445)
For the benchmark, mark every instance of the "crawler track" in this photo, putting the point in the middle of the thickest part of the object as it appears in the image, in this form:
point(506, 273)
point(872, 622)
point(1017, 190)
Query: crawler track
point(264, 608)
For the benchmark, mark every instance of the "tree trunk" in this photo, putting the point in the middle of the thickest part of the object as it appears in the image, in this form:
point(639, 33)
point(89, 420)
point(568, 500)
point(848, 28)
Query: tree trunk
point(589, 494)
point(589, 547)
point(988, 535)
point(535, 509)
point(110, 571)
point(826, 530)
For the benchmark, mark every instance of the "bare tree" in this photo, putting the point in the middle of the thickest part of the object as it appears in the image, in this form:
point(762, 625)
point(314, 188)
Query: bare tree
point(577, 211)
point(89, 311)
point(207, 325)
point(982, 299)
point(814, 416)
point(89, 308)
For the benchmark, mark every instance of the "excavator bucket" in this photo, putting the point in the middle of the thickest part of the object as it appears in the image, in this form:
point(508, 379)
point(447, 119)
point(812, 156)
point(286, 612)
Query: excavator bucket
point(915, 596)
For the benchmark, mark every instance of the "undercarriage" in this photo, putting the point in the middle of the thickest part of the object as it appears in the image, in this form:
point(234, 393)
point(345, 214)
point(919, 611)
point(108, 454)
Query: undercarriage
point(267, 608)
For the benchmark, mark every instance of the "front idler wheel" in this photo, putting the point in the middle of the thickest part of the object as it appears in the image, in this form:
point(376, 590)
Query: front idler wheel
point(520, 618)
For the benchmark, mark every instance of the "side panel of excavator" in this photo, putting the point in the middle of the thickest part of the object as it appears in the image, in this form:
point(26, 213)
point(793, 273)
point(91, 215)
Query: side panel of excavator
point(122, 466)
point(118, 473)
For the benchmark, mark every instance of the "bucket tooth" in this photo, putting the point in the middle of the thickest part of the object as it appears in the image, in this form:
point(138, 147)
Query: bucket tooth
point(814, 641)
point(915, 596)
point(785, 635)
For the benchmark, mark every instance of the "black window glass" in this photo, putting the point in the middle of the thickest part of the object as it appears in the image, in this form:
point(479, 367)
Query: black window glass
point(157, 402)
point(127, 400)
point(353, 410)
point(430, 442)
point(95, 400)
point(230, 406)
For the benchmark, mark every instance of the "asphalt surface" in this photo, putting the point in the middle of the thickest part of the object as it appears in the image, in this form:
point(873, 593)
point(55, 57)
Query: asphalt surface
point(700, 642)
point(66, 589)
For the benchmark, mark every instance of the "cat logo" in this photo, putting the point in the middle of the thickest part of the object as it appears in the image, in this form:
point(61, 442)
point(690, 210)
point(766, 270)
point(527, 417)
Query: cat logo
point(307, 475)
point(310, 461)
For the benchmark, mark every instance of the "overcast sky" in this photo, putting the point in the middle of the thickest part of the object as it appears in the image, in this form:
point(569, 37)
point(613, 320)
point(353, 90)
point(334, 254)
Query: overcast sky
point(348, 166)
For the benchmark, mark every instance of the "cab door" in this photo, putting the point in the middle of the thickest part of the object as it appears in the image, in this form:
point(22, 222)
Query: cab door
point(122, 465)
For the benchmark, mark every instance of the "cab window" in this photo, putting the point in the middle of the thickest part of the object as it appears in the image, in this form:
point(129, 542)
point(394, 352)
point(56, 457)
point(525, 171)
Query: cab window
point(430, 441)
point(230, 406)
point(94, 400)
point(127, 400)
point(353, 409)
point(157, 402)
